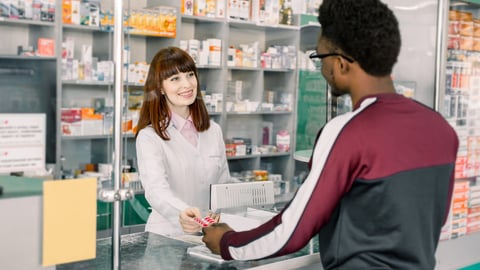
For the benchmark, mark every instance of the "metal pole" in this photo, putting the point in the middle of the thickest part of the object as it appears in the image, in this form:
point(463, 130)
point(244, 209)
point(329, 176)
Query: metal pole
point(117, 129)
point(440, 57)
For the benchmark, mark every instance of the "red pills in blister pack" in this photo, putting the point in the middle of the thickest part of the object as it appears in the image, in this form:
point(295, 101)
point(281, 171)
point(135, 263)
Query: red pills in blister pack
point(204, 222)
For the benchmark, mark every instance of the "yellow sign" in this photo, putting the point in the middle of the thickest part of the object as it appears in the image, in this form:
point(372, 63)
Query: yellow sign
point(69, 220)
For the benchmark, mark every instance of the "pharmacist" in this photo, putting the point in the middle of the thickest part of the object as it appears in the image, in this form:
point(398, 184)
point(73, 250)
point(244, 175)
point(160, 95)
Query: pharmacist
point(180, 151)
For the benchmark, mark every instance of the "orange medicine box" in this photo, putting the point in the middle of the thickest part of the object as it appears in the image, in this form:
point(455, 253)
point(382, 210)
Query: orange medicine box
point(476, 27)
point(465, 28)
point(46, 47)
point(460, 196)
point(460, 205)
point(89, 114)
point(67, 11)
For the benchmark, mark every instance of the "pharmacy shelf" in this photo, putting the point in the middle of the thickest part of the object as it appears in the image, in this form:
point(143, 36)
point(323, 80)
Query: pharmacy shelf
point(143, 47)
point(278, 70)
point(4, 20)
point(258, 26)
point(28, 58)
point(197, 19)
point(86, 28)
point(94, 137)
point(244, 68)
point(98, 83)
point(208, 67)
point(83, 82)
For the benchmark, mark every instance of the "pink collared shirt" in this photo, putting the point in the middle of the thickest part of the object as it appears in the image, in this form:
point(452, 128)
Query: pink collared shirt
point(186, 128)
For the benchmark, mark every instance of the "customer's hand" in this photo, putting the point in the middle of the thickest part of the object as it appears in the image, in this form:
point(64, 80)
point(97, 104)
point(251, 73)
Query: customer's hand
point(213, 234)
point(186, 220)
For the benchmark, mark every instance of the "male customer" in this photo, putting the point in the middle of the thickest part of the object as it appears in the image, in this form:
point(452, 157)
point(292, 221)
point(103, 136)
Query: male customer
point(381, 176)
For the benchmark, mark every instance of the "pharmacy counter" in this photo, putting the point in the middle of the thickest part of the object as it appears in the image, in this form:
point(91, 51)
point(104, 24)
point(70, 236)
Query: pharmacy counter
point(145, 250)
point(21, 229)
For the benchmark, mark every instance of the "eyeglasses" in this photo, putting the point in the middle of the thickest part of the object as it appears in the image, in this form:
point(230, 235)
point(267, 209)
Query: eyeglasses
point(323, 55)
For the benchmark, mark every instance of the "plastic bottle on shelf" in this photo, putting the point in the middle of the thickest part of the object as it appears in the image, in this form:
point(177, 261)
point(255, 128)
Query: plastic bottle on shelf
point(283, 141)
point(281, 11)
point(287, 13)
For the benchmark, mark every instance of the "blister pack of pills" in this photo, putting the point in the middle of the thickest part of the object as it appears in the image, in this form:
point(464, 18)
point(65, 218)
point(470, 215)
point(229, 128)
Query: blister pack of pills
point(204, 222)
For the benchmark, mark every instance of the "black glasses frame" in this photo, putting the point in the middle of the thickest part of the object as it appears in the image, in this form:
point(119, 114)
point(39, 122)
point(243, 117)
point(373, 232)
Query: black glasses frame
point(323, 55)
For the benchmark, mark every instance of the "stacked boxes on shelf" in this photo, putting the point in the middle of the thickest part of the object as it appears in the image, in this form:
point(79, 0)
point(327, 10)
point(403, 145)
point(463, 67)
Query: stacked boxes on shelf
point(98, 119)
point(459, 209)
point(472, 161)
point(464, 215)
point(204, 52)
point(239, 146)
point(473, 217)
point(157, 21)
point(33, 10)
point(272, 102)
point(89, 69)
point(267, 12)
point(463, 31)
point(462, 107)
point(279, 57)
point(456, 224)
point(81, 121)
point(81, 12)
point(207, 8)
point(274, 57)
point(213, 101)
point(37, 10)
point(136, 73)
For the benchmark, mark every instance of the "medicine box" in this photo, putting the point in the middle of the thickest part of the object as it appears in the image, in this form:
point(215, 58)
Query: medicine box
point(46, 47)
point(81, 121)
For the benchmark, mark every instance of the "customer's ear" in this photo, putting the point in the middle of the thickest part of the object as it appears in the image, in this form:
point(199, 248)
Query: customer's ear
point(343, 65)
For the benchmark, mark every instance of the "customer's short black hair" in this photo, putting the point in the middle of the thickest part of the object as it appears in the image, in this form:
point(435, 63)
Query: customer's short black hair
point(366, 30)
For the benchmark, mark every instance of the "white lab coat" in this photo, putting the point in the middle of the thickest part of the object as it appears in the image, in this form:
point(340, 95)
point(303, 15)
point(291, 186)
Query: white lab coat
point(175, 174)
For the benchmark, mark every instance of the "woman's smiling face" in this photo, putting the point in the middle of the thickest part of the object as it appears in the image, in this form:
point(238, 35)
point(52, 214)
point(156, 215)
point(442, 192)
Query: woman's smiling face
point(180, 91)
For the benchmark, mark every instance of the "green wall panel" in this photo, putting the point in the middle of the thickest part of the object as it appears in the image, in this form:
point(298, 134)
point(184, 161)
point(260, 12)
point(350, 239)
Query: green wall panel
point(311, 108)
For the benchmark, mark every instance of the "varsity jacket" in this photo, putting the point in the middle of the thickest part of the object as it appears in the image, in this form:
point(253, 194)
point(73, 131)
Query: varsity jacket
point(377, 194)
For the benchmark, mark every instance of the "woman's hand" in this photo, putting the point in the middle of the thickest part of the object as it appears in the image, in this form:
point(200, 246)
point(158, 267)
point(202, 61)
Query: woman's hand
point(187, 222)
